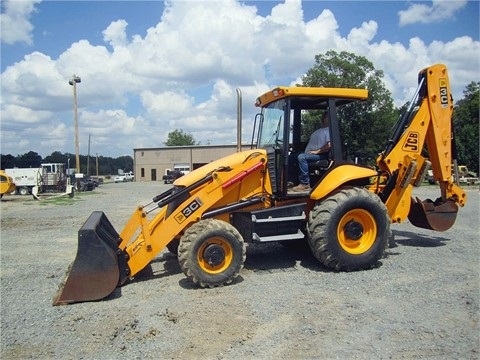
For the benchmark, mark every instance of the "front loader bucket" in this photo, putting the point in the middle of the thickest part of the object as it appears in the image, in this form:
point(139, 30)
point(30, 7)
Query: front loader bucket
point(438, 215)
point(95, 272)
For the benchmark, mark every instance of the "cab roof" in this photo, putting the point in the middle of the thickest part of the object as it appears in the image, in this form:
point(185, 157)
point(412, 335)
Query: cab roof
point(311, 95)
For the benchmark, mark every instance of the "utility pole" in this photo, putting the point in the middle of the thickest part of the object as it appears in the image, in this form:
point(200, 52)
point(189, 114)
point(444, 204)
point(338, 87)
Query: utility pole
point(73, 82)
point(88, 158)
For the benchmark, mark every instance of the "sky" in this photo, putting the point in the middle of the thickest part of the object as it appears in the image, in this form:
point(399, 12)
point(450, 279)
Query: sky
point(150, 67)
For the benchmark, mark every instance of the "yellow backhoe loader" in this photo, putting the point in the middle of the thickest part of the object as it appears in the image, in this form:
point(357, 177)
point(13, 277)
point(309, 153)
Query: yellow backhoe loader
point(209, 215)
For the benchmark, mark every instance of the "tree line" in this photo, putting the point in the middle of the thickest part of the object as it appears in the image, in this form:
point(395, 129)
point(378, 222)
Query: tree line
point(88, 165)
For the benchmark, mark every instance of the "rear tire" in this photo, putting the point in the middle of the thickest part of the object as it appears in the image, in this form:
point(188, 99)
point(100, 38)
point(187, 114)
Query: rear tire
point(350, 230)
point(24, 191)
point(211, 253)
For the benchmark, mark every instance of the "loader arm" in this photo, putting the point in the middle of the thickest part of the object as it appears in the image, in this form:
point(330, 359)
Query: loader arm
point(428, 121)
point(155, 235)
point(106, 259)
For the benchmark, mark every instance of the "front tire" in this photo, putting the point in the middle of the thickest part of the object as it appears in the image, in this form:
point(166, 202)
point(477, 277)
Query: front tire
point(350, 230)
point(211, 253)
point(172, 246)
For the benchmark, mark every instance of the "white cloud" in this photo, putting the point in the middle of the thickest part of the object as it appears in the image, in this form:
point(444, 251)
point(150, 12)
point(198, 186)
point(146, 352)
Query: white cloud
point(33, 82)
point(321, 28)
point(38, 131)
point(421, 13)
point(187, 47)
point(113, 130)
point(115, 33)
point(169, 105)
point(25, 115)
point(15, 21)
point(289, 13)
point(184, 72)
point(364, 34)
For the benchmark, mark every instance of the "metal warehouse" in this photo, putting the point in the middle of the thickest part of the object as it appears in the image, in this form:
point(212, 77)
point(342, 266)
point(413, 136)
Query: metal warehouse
point(150, 164)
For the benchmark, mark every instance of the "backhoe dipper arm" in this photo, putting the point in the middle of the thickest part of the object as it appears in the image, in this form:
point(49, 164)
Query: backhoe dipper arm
point(428, 121)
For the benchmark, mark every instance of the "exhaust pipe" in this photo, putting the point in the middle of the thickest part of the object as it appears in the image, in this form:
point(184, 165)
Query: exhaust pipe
point(239, 120)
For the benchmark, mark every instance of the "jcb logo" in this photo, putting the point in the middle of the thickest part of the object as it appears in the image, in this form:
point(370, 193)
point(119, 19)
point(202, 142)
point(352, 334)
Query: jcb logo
point(443, 93)
point(411, 144)
point(188, 210)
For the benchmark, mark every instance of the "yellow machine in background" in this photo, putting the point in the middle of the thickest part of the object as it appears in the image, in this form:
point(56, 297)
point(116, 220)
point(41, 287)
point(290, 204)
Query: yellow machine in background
point(209, 214)
point(6, 184)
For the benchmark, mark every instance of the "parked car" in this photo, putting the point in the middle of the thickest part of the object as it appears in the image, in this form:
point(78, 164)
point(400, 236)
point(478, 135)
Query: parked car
point(93, 180)
point(124, 177)
point(120, 178)
point(82, 184)
point(171, 176)
point(96, 180)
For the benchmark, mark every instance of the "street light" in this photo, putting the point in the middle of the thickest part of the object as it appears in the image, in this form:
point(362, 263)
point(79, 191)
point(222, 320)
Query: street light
point(73, 82)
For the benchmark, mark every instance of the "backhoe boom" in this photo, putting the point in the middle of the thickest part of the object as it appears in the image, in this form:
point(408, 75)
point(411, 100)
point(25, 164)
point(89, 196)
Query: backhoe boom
point(427, 121)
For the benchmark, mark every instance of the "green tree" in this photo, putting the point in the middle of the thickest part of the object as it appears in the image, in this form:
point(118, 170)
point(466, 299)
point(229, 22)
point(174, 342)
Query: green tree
point(124, 163)
point(365, 126)
point(179, 138)
point(106, 165)
point(8, 161)
point(30, 159)
point(58, 157)
point(466, 128)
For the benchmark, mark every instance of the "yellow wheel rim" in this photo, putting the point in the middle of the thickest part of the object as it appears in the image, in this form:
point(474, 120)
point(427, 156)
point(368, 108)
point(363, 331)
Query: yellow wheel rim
point(357, 231)
point(215, 255)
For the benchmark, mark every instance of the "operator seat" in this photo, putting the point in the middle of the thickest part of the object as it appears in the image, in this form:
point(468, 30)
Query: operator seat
point(318, 168)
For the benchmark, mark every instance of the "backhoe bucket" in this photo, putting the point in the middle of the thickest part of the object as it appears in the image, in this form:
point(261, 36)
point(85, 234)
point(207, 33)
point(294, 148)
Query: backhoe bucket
point(95, 273)
point(438, 215)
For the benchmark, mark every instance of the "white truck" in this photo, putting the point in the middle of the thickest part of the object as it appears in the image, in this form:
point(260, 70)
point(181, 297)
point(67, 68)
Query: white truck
point(124, 177)
point(183, 168)
point(25, 179)
point(48, 178)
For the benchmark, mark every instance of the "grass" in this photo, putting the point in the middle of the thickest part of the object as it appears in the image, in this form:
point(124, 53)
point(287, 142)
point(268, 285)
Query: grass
point(66, 200)
point(62, 200)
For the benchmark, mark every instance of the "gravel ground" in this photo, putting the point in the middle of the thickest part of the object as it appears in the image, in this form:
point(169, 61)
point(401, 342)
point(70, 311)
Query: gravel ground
point(422, 302)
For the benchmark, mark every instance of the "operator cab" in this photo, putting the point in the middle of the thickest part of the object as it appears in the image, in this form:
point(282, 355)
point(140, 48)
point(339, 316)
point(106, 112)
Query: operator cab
point(287, 118)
